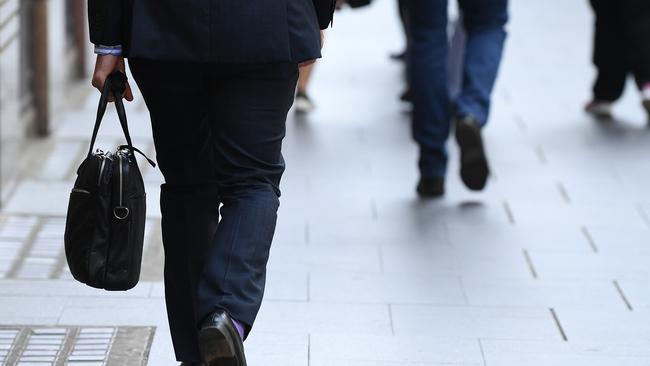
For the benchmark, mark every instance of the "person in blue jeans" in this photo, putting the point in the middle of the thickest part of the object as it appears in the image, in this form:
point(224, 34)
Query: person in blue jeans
point(433, 108)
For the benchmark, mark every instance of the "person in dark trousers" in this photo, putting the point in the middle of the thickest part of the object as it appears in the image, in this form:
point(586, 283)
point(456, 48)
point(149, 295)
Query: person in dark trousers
point(621, 48)
point(484, 22)
point(403, 18)
point(218, 78)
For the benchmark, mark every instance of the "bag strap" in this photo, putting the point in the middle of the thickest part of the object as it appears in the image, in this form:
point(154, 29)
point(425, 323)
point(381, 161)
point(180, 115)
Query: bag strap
point(135, 149)
point(115, 84)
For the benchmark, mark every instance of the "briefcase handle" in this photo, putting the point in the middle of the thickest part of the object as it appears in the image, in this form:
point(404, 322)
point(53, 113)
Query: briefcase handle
point(115, 84)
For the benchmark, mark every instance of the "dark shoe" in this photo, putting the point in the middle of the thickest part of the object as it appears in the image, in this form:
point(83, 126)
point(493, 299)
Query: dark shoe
point(474, 169)
point(191, 364)
point(600, 110)
point(220, 343)
point(407, 96)
point(433, 187)
point(645, 92)
point(398, 56)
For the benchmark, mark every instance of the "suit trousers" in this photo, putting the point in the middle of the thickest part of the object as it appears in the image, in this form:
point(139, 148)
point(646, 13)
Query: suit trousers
point(621, 46)
point(484, 21)
point(218, 132)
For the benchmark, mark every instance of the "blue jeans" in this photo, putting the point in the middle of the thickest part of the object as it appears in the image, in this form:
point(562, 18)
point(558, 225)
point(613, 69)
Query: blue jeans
point(485, 22)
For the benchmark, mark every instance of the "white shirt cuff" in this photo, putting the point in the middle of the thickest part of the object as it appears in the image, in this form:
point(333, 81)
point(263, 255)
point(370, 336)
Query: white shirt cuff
point(108, 50)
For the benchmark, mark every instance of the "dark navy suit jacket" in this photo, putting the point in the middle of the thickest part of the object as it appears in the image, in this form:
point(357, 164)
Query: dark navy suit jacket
point(211, 31)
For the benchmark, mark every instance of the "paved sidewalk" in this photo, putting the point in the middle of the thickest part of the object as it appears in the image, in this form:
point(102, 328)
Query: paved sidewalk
point(548, 267)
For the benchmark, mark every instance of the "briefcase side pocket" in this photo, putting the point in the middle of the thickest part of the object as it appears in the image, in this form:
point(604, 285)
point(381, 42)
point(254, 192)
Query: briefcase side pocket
point(80, 233)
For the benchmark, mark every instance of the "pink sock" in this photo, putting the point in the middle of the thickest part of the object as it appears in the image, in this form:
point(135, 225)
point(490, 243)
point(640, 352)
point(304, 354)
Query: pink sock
point(240, 328)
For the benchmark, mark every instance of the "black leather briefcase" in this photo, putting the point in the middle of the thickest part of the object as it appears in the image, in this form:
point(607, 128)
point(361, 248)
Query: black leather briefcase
point(104, 231)
point(325, 12)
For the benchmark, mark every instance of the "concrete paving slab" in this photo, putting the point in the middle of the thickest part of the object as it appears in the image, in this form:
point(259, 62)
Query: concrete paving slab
point(469, 322)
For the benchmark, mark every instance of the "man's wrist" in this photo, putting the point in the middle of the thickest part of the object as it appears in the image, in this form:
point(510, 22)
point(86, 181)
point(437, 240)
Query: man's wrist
point(103, 50)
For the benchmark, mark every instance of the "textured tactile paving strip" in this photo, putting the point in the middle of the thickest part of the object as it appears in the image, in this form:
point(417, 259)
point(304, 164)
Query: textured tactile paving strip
point(87, 346)
point(31, 247)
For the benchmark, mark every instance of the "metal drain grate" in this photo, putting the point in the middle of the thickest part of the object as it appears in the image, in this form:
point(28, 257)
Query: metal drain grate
point(87, 346)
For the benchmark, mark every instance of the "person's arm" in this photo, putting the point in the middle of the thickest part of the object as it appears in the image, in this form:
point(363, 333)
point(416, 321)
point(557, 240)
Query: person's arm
point(106, 21)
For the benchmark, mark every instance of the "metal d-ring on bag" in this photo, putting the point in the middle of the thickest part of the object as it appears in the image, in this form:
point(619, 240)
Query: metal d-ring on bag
point(104, 231)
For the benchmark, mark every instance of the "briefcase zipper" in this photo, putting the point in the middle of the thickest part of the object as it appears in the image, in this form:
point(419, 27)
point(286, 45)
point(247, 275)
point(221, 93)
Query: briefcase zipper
point(101, 169)
point(77, 190)
point(120, 212)
point(119, 156)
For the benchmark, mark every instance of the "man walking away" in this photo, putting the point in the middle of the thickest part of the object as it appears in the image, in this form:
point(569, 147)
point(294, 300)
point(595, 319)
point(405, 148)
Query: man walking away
point(485, 22)
point(218, 78)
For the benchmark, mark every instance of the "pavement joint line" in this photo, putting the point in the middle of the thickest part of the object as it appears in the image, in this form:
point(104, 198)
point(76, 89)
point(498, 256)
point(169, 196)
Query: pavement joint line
point(463, 290)
point(564, 193)
point(390, 318)
point(60, 267)
point(110, 345)
point(145, 357)
point(19, 345)
point(509, 213)
point(9, 40)
point(529, 262)
point(558, 324)
point(590, 238)
point(307, 236)
point(480, 346)
point(373, 209)
point(26, 247)
point(308, 287)
point(447, 234)
point(68, 345)
point(541, 155)
point(8, 190)
point(644, 214)
point(521, 123)
point(619, 289)
point(308, 349)
point(368, 166)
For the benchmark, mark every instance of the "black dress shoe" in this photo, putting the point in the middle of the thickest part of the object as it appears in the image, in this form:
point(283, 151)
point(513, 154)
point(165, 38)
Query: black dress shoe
point(474, 169)
point(401, 56)
point(431, 187)
point(219, 341)
point(407, 96)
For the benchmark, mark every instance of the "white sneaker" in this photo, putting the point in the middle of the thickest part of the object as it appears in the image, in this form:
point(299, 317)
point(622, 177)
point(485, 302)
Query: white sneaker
point(303, 103)
point(599, 109)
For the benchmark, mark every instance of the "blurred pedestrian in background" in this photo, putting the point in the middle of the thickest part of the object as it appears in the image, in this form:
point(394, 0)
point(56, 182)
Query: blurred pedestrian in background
point(218, 89)
point(403, 17)
point(621, 48)
point(484, 22)
point(303, 102)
